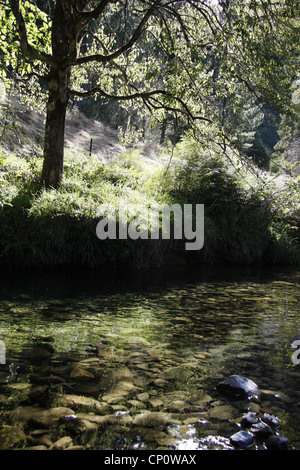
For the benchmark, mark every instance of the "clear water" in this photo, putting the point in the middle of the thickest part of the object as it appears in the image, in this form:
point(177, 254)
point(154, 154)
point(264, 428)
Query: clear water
point(170, 336)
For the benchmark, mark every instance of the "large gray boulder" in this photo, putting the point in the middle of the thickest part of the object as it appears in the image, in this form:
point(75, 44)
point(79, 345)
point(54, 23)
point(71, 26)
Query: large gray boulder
point(237, 386)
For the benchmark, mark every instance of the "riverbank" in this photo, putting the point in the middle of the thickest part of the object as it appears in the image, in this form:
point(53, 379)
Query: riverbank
point(251, 216)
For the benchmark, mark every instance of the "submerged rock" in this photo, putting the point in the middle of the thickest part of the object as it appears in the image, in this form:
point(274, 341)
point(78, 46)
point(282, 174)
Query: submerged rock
point(38, 353)
point(143, 396)
point(261, 430)
point(37, 448)
point(81, 375)
point(87, 389)
point(249, 419)
point(119, 391)
point(222, 412)
point(39, 394)
point(156, 402)
point(42, 440)
point(242, 439)
point(271, 420)
point(51, 417)
point(23, 414)
point(277, 443)
point(178, 406)
point(76, 401)
point(237, 386)
point(62, 443)
point(176, 372)
point(151, 419)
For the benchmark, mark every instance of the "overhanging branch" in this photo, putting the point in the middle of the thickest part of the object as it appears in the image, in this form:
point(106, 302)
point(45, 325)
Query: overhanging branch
point(150, 97)
point(96, 12)
point(134, 38)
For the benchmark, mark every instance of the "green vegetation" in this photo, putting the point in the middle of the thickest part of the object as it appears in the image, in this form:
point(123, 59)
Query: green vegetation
point(57, 226)
point(207, 65)
point(212, 86)
point(251, 215)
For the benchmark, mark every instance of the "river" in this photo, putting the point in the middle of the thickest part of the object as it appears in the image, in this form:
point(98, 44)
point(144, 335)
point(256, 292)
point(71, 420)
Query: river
point(134, 359)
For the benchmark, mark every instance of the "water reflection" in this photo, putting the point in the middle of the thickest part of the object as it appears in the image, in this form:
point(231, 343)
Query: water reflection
point(136, 362)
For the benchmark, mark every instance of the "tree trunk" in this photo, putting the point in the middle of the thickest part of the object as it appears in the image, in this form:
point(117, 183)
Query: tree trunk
point(64, 48)
point(163, 132)
point(55, 128)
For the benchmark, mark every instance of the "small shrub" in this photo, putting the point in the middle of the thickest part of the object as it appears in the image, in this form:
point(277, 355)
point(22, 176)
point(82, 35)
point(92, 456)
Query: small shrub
point(248, 212)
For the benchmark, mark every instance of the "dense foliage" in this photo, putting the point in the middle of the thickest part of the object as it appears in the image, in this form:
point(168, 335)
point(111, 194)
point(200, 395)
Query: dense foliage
point(185, 59)
point(250, 215)
point(215, 83)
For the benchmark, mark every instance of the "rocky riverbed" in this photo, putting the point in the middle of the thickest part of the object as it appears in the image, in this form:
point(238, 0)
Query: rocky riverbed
point(133, 398)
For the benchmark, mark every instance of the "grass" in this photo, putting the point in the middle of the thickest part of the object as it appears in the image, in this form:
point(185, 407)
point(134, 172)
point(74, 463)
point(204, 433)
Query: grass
point(41, 226)
point(251, 216)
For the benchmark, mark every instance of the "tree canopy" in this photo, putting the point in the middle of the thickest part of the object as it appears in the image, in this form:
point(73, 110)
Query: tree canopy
point(184, 57)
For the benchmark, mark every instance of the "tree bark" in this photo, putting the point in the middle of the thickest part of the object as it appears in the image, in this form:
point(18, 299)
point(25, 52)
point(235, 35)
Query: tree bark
point(55, 128)
point(64, 50)
point(163, 132)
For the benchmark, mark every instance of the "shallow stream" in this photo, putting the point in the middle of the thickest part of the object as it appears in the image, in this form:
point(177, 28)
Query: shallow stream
point(132, 361)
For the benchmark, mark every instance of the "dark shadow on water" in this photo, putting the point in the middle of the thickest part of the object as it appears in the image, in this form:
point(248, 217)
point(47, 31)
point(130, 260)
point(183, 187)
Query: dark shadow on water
point(71, 282)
